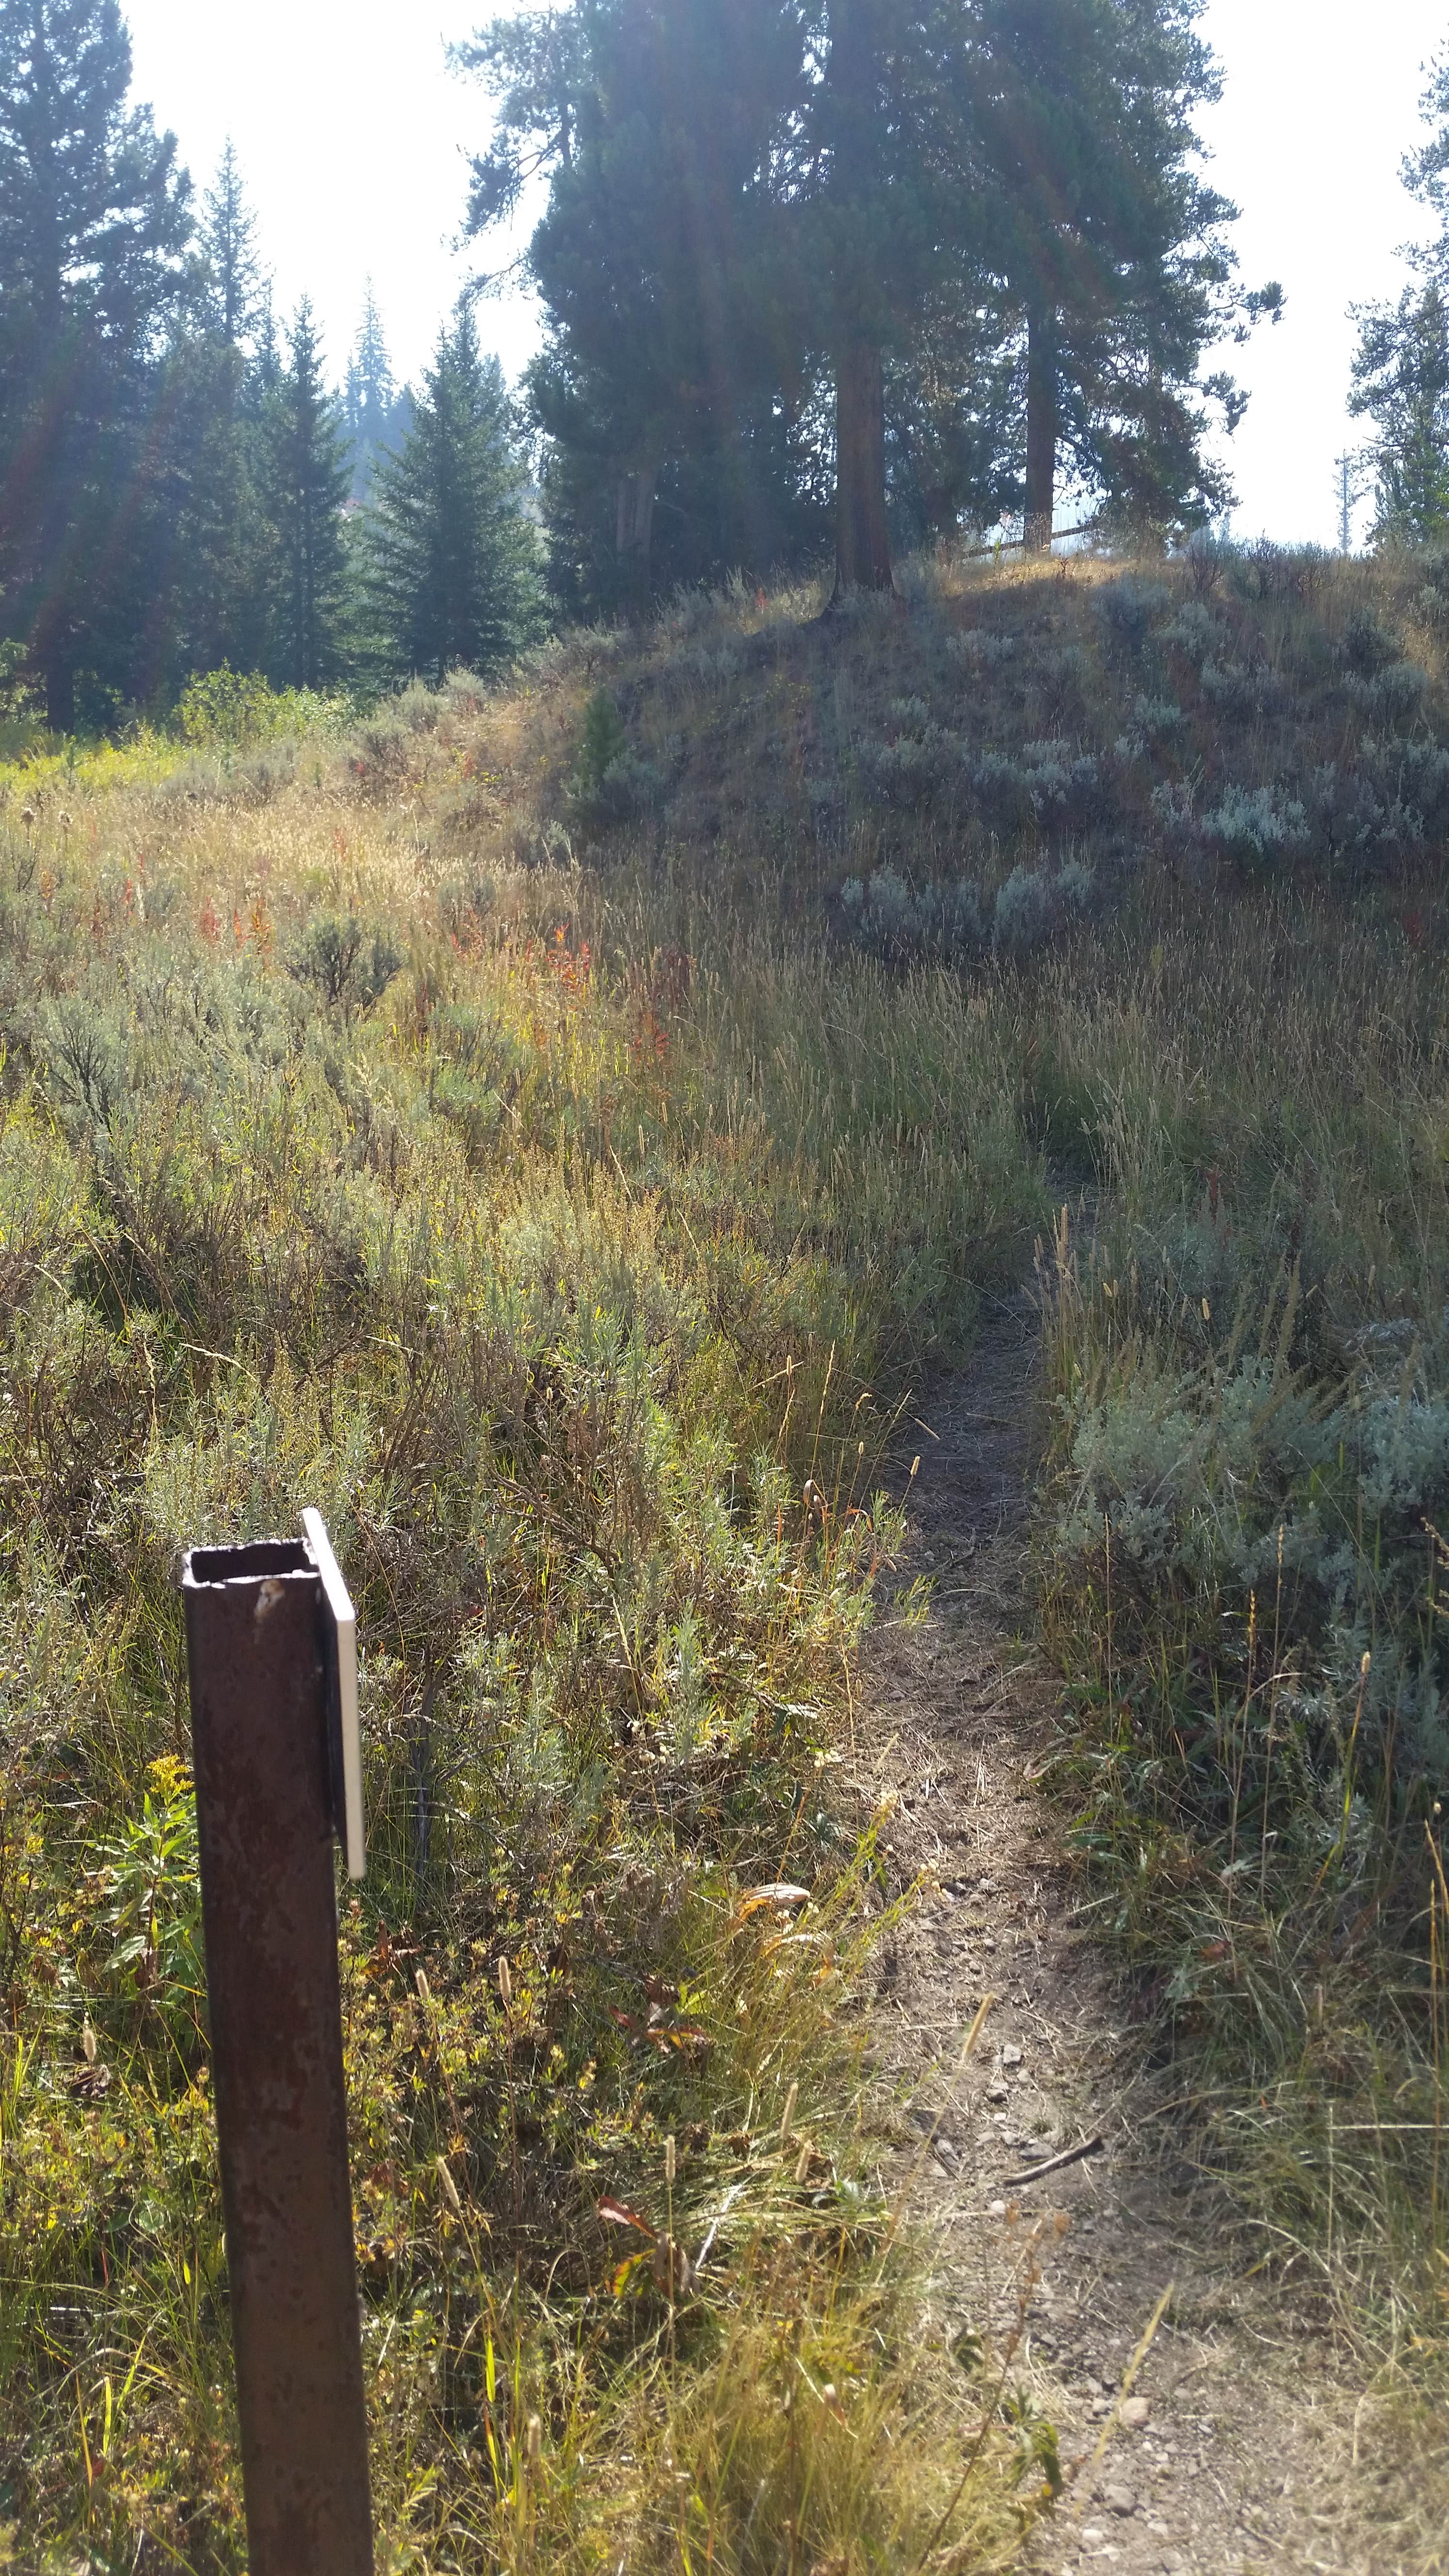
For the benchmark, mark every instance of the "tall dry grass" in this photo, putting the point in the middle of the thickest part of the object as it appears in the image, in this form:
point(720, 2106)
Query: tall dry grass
point(561, 1183)
point(521, 1232)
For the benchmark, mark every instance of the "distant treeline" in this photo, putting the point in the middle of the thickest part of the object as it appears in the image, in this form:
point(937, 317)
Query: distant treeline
point(813, 273)
point(179, 488)
point(865, 269)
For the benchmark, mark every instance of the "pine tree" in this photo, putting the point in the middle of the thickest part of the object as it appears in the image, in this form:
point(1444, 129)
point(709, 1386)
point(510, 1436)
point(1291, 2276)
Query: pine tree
point(662, 273)
point(307, 476)
point(755, 200)
point(224, 574)
point(223, 550)
point(376, 412)
point(737, 202)
point(860, 238)
point(265, 374)
point(454, 576)
point(952, 421)
point(1401, 368)
point(753, 493)
point(1425, 173)
point(1038, 156)
point(1105, 256)
point(1401, 380)
point(232, 278)
point(93, 225)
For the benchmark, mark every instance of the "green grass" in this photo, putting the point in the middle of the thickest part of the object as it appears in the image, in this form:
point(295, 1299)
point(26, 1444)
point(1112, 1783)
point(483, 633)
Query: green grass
point(551, 1177)
point(527, 1240)
point(1248, 1467)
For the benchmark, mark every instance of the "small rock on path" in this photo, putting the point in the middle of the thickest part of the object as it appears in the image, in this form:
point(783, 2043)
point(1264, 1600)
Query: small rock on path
point(1230, 2457)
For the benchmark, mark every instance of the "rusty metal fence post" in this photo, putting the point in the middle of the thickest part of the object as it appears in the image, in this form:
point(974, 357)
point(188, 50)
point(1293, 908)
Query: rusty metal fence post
point(257, 1648)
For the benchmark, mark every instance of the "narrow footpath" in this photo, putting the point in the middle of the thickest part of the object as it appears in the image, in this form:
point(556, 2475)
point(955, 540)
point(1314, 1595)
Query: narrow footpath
point(1232, 2454)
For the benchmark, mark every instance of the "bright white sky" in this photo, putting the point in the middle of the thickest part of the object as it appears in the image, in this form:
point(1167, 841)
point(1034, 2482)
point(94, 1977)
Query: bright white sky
point(352, 136)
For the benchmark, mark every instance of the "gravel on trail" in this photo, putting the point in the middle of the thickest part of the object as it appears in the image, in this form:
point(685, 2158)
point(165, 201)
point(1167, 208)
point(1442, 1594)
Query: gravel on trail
point(1230, 2454)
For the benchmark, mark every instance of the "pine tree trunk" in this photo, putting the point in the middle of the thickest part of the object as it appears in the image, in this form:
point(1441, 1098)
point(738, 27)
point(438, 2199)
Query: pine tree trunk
point(1041, 432)
point(60, 692)
point(634, 531)
point(862, 546)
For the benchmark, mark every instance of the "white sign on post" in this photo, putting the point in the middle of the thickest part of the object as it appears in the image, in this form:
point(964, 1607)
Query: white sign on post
point(344, 1619)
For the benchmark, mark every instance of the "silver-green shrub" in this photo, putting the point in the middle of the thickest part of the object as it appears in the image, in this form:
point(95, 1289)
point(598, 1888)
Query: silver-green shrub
point(1238, 692)
point(906, 926)
point(1129, 608)
point(1393, 696)
point(980, 649)
point(1195, 632)
point(1353, 821)
point(1258, 826)
point(1046, 782)
point(1211, 1479)
point(910, 771)
point(1150, 722)
point(1412, 772)
point(1034, 902)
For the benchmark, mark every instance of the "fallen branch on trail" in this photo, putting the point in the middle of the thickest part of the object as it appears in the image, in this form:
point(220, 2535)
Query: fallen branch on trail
point(1054, 2164)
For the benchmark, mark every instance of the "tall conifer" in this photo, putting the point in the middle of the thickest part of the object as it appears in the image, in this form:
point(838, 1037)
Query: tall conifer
point(307, 477)
point(232, 287)
point(93, 224)
point(845, 196)
point(453, 556)
point(376, 412)
point(1401, 369)
point(668, 285)
point(223, 542)
point(1111, 254)
point(1401, 381)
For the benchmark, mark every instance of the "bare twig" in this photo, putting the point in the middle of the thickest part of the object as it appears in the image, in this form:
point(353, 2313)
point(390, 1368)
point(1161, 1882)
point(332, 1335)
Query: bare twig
point(1148, 2337)
point(1054, 2164)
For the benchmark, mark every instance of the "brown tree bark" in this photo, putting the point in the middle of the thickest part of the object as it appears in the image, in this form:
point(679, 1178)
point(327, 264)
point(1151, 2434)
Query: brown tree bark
point(862, 546)
point(59, 676)
point(1041, 432)
point(634, 530)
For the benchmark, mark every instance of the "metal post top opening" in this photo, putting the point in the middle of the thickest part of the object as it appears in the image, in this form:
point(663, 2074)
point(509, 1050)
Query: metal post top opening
point(309, 1561)
point(263, 1560)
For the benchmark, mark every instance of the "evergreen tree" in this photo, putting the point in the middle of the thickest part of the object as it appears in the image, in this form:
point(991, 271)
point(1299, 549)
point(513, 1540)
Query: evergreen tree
point(952, 422)
point(307, 473)
point(1425, 173)
point(751, 199)
point(377, 414)
point(223, 543)
point(660, 265)
point(754, 495)
point(1401, 380)
point(884, 228)
point(454, 576)
point(1122, 264)
point(232, 278)
point(266, 370)
point(94, 222)
point(1401, 369)
point(1034, 157)
point(225, 547)
point(734, 213)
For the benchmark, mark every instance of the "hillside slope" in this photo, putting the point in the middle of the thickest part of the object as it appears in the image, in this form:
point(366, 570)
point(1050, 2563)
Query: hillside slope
point(558, 1132)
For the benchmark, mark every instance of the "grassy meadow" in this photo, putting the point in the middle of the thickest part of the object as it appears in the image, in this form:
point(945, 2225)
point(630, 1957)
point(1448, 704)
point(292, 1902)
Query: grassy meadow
point(554, 1132)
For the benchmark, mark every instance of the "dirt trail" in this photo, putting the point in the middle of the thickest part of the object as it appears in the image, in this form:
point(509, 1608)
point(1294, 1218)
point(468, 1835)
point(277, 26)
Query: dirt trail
point(1241, 2465)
